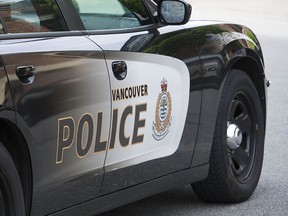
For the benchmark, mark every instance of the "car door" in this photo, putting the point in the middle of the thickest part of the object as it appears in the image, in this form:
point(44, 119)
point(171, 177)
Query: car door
point(61, 92)
point(150, 95)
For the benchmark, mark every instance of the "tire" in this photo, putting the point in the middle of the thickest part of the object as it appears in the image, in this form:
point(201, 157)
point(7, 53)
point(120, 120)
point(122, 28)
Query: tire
point(11, 193)
point(238, 144)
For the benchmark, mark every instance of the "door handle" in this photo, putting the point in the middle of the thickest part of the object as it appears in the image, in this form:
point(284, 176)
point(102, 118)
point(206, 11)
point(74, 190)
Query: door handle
point(119, 69)
point(26, 74)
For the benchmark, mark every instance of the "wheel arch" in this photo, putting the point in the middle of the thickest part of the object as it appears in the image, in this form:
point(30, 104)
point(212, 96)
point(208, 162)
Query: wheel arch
point(255, 71)
point(13, 140)
point(245, 59)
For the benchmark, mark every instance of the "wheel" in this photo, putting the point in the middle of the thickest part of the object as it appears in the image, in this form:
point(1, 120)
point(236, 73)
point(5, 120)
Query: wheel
point(238, 144)
point(11, 194)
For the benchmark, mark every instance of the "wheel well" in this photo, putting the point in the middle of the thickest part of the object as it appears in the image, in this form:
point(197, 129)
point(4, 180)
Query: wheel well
point(250, 67)
point(12, 139)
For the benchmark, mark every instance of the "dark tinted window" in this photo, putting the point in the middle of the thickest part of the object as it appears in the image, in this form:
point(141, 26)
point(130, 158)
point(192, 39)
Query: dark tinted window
point(112, 14)
point(23, 16)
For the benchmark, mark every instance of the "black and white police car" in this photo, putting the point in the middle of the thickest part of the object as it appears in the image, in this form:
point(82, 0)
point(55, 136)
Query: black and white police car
point(107, 102)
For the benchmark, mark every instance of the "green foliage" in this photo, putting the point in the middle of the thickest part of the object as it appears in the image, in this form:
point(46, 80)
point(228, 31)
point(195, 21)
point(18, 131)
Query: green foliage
point(46, 6)
point(134, 6)
point(76, 5)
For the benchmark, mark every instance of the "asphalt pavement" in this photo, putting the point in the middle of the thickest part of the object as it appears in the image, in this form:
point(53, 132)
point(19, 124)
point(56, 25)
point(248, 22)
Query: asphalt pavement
point(269, 20)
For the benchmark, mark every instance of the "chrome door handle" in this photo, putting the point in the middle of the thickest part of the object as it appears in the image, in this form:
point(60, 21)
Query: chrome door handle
point(119, 69)
point(26, 74)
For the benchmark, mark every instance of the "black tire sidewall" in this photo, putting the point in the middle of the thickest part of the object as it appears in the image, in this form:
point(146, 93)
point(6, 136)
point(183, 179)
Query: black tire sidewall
point(8, 169)
point(238, 81)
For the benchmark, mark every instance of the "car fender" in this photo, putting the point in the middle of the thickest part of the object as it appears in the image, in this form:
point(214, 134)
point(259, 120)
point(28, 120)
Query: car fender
point(230, 47)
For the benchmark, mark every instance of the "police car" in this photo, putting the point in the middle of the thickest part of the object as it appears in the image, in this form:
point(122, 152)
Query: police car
point(107, 102)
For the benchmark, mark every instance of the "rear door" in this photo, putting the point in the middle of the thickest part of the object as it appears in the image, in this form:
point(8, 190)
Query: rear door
point(150, 95)
point(62, 98)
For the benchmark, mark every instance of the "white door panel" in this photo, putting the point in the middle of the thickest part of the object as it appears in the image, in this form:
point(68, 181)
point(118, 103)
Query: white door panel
point(149, 108)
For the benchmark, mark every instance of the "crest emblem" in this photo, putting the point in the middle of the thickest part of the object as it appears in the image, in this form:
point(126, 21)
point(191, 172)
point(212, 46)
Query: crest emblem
point(163, 112)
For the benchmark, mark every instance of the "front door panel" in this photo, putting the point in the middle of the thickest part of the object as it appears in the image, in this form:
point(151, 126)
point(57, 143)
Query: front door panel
point(64, 114)
point(156, 129)
point(149, 108)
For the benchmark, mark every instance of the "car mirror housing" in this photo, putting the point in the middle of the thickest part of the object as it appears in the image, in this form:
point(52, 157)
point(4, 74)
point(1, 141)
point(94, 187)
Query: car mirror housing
point(174, 12)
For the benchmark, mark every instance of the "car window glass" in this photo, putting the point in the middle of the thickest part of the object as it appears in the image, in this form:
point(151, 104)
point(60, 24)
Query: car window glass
point(112, 14)
point(1, 28)
point(23, 16)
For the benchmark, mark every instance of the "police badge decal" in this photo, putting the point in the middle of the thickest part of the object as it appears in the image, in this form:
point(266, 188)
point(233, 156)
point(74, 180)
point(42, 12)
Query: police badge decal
point(163, 112)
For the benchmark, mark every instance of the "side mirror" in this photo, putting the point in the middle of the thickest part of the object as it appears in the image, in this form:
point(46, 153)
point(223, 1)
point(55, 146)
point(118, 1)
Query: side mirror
point(174, 12)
